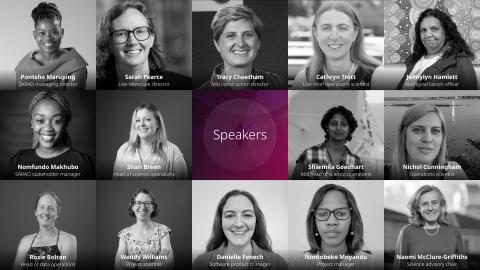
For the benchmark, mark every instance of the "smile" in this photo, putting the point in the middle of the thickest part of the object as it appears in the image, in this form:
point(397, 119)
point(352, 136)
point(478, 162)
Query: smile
point(425, 150)
point(45, 217)
point(334, 46)
point(132, 52)
point(240, 52)
point(47, 138)
point(240, 233)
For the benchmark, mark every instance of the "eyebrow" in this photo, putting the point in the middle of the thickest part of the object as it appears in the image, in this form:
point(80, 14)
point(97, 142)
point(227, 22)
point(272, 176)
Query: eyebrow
point(232, 211)
point(426, 126)
point(39, 114)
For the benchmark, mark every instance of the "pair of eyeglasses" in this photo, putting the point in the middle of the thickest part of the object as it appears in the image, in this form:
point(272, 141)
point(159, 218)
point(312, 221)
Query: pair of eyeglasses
point(322, 214)
point(43, 33)
point(140, 33)
point(146, 204)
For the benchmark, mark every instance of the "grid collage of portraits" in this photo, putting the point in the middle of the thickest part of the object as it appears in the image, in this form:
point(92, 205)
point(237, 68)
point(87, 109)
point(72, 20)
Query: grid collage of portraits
point(318, 134)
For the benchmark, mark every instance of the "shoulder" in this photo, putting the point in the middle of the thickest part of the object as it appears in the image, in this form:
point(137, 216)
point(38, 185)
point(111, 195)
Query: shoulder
point(202, 261)
point(23, 153)
point(162, 228)
point(173, 76)
point(27, 239)
point(300, 78)
point(125, 233)
point(172, 147)
point(272, 257)
point(123, 148)
point(409, 229)
point(25, 62)
point(275, 80)
point(73, 55)
point(455, 171)
point(80, 156)
point(365, 72)
point(67, 238)
point(207, 85)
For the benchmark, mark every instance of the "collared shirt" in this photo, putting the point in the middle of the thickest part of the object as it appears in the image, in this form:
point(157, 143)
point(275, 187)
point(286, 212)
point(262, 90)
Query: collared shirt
point(259, 80)
point(319, 165)
point(265, 260)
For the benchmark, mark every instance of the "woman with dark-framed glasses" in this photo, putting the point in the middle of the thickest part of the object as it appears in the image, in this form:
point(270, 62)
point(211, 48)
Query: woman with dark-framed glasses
point(51, 66)
point(128, 54)
point(145, 244)
point(334, 230)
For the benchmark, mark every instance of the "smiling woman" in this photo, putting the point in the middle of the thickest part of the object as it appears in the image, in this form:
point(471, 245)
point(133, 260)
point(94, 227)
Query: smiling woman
point(128, 54)
point(429, 234)
point(50, 67)
point(49, 248)
point(237, 34)
point(148, 154)
point(145, 244)
point(239, 236)
point(420, 151)
point(52, 155)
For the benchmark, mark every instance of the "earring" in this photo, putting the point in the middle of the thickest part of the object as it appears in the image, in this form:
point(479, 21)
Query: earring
point(351, 233)
point(316, 234)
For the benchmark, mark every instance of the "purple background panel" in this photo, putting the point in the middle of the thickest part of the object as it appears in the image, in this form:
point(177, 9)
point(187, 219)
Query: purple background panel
point(255, 111)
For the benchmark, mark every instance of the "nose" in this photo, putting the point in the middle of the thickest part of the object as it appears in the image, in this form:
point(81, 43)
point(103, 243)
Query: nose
point(240, 41)
point(334, 34)
point(332, 220)
point(131, 39)
point(427, 136)
point(238, 222)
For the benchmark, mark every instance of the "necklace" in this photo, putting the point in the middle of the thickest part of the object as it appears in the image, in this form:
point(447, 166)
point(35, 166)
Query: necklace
point(348, 75)
point(435, 227)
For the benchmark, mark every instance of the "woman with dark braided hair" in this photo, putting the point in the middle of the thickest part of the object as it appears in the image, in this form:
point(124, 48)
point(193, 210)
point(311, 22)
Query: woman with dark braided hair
point(441, 59)
point(50, 67)
point(51, 155)
point(331, 159)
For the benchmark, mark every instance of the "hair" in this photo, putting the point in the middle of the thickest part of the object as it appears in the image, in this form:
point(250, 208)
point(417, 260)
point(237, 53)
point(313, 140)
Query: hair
point(354, 242)
point(400, 155)
point(106, 58)
point(456, 44)
point(152, 197)
point(160, 141)
point(44, 11)
point(54, 196)
point(352, 123)
point(66, 110)
point(414, 206)
point(357, 52)
point(260, 236)
point(235, 13)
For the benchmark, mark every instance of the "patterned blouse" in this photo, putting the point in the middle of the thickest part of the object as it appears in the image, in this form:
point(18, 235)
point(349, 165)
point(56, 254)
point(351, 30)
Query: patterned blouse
point(151, 245)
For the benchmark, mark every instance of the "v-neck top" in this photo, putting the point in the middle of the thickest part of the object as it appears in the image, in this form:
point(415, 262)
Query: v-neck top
point(43, 251)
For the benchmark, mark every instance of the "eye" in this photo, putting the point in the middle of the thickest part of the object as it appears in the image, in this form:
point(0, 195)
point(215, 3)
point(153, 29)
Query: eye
point(39, 121)
point(325, 27)
point(417, 130)
point(230, 35)
point(229, 216)
point(344, 124)
point(248, 35)
point(436, 131)
point(248, 215)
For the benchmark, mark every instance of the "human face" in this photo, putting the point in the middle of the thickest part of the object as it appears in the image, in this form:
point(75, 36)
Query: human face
point(238, 220)
point(48, 35)
point(48, 124)
point(429, 206)
point(335, 34)
point(338, 128)
point(46, 210)
point(132, 53)
point(333, 231)
point(432, 34)
point(145, 124)
point(140, 208)
point(424, 138)
point(238, 44)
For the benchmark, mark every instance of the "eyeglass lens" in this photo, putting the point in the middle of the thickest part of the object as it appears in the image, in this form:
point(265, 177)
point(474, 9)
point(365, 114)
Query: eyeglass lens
point(140, 33)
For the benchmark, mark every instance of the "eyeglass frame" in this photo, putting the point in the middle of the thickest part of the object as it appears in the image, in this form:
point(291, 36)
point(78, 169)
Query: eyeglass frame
point(144, 203)
point(332, 211)
point(149, 30)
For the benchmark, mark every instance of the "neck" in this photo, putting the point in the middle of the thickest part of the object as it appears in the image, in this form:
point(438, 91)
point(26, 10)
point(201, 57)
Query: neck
point(146, 143)
point(143, 224)
point(246, 249)
point(50, 152)
point(341, 249)
point(336, 145)
point(47, 230)
point(431, 225)
point(141, 70)
point(341, 66)
point(229, 70)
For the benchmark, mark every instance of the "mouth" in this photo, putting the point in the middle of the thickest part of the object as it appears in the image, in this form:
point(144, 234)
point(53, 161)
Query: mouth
point(47, 137)
point(239, 233)
point(45, 217)
point(132, 52)
point(425, 150)
point(431, 213)
point(335, 46)
point(332, 234)
point(240, 52)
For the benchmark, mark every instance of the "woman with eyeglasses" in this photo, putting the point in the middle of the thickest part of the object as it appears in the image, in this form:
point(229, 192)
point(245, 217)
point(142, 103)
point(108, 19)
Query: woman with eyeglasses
point(429, 234)
point(239, 237)
point(50, 247)
point(128, 54)
point(51, 66)
point(334, 229)
point(145, 244)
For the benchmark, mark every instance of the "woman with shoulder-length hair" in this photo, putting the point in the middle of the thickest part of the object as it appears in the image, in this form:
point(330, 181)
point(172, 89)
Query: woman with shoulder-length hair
point(145, 244)
point(428, 233)
point(420, 150)
point(334, 227)
point(123, 58)
point(331, 159)
point(148, 154)
point(441, 59)
point(239, 235)
point(50, 113)
point(49, 246)
point(339, 60)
